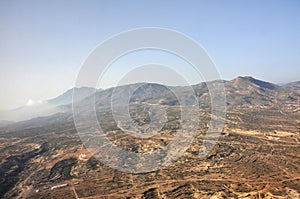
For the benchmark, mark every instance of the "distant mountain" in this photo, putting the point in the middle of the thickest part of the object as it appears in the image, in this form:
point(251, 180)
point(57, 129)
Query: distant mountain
point(66, 98)
point(45, 108)
point(292, 87)
point(5, 123)
point(250, 81)
point(249, 91)
point(292, 84)
point(240, 92)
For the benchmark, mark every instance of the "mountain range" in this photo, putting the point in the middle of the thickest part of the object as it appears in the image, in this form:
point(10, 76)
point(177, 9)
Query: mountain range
point(256, 154)
point(240, 92)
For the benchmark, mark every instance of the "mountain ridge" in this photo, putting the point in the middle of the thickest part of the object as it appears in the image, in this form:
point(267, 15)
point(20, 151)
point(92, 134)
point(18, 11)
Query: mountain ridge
point(241, 91)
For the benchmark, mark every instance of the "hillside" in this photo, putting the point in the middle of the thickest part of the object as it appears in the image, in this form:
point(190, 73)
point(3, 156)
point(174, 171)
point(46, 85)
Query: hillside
point(256, 156)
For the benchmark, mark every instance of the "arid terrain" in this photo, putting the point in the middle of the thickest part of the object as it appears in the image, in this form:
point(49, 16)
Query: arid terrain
point(256, 156)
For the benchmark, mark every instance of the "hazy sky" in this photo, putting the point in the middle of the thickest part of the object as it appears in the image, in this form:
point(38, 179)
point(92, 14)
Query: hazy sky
point(44, 43)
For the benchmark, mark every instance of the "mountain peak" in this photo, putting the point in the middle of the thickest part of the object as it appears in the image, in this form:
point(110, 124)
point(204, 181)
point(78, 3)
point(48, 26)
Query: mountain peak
point(249, 78)
point(240, 80)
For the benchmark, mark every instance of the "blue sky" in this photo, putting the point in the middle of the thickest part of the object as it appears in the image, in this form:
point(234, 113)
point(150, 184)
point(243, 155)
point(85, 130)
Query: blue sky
point(44, 43)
